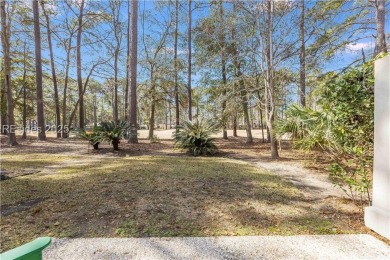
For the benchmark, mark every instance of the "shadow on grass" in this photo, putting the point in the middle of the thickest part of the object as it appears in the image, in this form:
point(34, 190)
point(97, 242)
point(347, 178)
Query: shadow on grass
point(154, 196)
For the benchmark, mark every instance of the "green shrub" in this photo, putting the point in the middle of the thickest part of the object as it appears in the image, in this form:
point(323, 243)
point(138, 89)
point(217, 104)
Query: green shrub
point(349, 99)
point(195, 137)
point(93, 137)
point(343, 128)
point(309, 129)
point(113, 132)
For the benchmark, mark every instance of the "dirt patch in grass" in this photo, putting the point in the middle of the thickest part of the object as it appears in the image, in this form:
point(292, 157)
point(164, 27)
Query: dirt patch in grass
point(6, 210)
point(153, 190)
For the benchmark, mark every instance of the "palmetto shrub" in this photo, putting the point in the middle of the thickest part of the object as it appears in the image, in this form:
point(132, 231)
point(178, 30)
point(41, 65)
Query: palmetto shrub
point(93, 137)
point(113, 132)
point(308, 129)
point(195, 137)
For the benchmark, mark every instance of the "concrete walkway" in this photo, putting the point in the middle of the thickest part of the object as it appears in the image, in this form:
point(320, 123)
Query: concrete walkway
point(246, 247)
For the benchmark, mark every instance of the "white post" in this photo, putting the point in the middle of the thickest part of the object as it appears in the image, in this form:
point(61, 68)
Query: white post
point(377, 217)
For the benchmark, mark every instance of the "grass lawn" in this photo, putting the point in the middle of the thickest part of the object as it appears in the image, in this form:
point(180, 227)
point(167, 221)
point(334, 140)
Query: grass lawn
point(95, 195)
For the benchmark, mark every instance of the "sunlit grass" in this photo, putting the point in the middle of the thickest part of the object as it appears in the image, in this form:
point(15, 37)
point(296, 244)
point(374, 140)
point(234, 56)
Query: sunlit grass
point(15, 162)
point(151, 196)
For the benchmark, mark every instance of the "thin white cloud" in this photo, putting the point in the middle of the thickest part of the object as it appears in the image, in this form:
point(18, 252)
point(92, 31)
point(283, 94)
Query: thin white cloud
point(353, 47)
point(49, 7)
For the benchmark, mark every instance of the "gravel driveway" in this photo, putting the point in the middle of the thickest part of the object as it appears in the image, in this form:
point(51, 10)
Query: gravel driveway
point(245, 247)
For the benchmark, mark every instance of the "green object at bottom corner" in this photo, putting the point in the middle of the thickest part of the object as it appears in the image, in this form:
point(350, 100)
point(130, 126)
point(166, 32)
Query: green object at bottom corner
point(30, 251)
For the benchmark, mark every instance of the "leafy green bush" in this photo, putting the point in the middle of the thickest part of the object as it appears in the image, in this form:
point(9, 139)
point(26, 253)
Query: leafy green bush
point(195, 137)
point(113, 132)
point(349, 100)
point(93, 137)
point(309, 129)
point(344, 128)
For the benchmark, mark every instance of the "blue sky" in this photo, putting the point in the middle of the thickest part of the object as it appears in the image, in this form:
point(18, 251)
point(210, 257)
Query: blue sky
point(342, 59)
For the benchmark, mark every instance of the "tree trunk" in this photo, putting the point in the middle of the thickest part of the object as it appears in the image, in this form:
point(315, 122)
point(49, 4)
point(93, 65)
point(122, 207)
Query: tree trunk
point(96, 146)
point(79, 72)
point(64, 131)
point(85, 115)
point(175, 63)
point(53, 72)
point(269, 84)
point(127, 64)
point(235, 125)
point(225, 135)
point(3, 104)
point(3, 109)
point(152, 105)
point(197, 108)
point(116, 10)
point(244, 103)
point(166, 116)
point(189, 60)
point(38, 73)
point(5, 40)
point(94, 111)
point(268, 133)
point(274, 143)
point(24, 136)
point(302, 56)
point(151, 119)
point(115, 144)
point(24, 115)
point(115, 101)
point(261, 125)
point(133, 138)
point(380, 17)
point(170, 115)
point(223, 68)
point(242, 89)
point(102, 113)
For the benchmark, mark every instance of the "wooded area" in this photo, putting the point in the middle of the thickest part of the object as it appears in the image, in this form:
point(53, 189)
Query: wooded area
point(71, 64)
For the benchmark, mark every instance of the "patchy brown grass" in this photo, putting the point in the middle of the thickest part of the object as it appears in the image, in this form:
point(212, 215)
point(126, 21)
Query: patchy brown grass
point(153, 190)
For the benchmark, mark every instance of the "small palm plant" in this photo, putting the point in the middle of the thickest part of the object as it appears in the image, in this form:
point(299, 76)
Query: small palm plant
point(309, 129)
point(113, 132)
point(93, 137)
point(196, 137)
